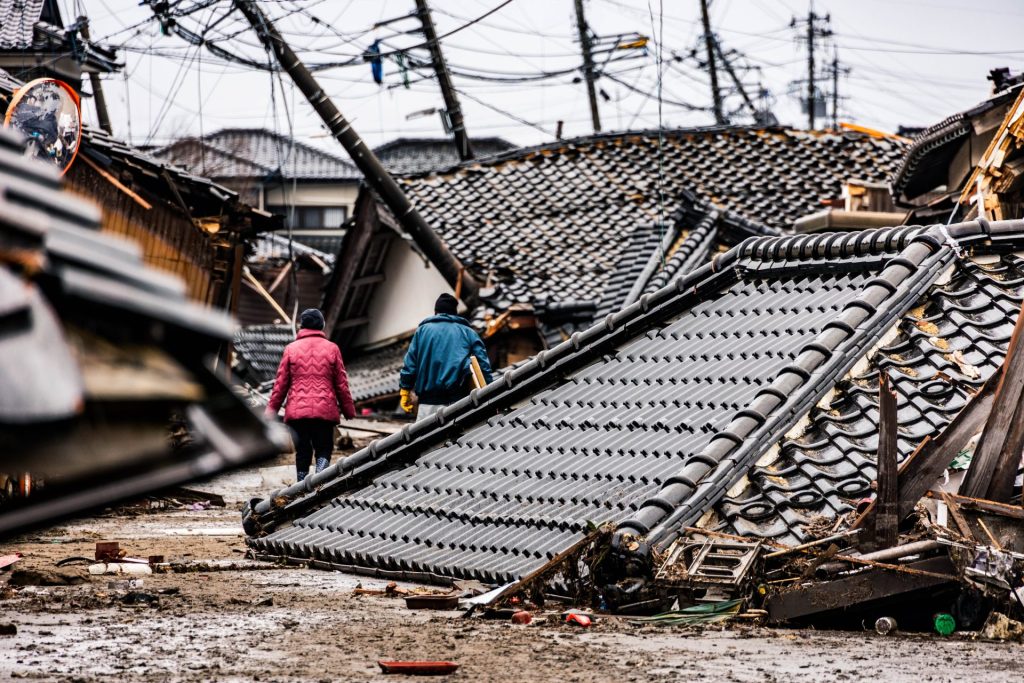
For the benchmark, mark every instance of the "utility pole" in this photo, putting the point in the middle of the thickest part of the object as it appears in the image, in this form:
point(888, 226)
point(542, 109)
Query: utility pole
point(810, 70)
point(376, 176)
point(588, 65)
point(709, 44)
point(444, 78)
point(98, 98)
point(736, 81)
point(817, 27)
point(835, 91)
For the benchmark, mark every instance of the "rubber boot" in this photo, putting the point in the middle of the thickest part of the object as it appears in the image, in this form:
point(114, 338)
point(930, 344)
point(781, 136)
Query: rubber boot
point(321, 464)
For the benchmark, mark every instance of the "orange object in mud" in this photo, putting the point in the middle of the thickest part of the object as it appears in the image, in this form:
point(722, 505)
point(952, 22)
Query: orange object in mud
point(578, 619)
point(522, 617)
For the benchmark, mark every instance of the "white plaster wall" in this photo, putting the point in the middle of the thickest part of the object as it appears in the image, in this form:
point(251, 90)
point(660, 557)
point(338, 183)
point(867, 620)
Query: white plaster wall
point(405, 297)
point(318, 194)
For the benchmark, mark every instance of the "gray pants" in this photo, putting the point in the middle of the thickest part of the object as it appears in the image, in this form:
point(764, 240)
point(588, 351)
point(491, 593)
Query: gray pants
point(426, 410)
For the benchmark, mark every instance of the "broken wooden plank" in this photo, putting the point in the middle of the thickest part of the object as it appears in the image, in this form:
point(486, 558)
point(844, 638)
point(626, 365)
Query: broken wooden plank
point(992, 447)
point(982, 505)
point(887, 519)
point(926, 464)
point(858, 589)
point(958, 517)
point(1001, 487)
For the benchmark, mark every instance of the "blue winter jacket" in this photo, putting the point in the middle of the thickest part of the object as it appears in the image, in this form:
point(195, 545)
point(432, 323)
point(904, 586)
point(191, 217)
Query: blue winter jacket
point(437, 363)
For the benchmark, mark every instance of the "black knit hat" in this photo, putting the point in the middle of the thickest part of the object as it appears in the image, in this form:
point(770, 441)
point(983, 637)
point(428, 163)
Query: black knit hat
point(311, 319)
point(446, 303)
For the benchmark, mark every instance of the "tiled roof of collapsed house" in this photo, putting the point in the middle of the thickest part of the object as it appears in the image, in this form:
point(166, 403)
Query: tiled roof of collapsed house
point(36, 25)
point(420, 155)
point(928, 159)
point(88, 330)
point(570, 223)
point(646, 419)
point(941, 351)
point(257, 153)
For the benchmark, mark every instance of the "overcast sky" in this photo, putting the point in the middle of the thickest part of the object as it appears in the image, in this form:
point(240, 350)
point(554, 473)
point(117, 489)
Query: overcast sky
point(906, 61)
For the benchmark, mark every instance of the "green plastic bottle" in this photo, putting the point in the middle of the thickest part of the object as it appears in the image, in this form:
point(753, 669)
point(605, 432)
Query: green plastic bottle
point(945, 624)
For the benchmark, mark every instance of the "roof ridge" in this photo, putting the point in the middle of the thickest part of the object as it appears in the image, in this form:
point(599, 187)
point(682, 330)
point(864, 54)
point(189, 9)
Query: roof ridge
point(268, 133)
point(522, 152)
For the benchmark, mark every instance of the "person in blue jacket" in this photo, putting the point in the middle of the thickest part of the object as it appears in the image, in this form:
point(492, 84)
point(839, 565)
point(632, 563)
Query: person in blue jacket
point(437, 365)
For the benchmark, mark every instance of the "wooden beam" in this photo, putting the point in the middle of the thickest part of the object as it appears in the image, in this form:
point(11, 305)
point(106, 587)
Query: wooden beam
point(844, 593)
point(958, 518)
point(994, 443)
point(280, 277)
point(367, 280)
point(887, 517)
point(251, 280)
point(116, 183)
point(992, 507)
point(926, 464)
point(1001, 486)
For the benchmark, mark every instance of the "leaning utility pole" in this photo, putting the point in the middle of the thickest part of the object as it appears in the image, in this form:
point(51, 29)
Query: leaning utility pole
point(451, 101)
point(376, 176)
point(736, 81)
point(588, 65)
point(709, 44)
point(98, 98)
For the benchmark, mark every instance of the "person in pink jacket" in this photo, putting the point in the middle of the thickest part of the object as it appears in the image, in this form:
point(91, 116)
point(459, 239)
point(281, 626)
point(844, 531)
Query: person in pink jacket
point(312, 377)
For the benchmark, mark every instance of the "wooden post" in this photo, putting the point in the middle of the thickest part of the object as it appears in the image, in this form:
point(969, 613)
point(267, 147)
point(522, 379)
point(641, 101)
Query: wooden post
point(923, 467)
point(887, 518)
point(996, 451)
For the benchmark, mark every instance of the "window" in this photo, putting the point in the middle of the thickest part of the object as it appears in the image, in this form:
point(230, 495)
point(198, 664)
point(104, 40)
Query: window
point(312, 217)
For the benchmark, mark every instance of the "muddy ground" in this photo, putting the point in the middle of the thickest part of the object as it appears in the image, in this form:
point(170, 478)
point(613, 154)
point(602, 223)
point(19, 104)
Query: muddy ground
point(290, 624)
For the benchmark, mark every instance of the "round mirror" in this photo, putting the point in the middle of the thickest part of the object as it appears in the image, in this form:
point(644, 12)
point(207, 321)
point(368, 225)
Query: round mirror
point(46, 111)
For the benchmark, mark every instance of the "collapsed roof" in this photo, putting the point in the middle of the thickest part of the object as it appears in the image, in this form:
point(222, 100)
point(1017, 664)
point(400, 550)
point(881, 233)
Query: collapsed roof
point(943, 154)
point(99, 354)
point(647, 419)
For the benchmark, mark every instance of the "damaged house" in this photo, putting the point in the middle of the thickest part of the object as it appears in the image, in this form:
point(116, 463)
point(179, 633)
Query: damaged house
point(186, 225)
point(565, 233)
point(733, 397)
point(109, 388)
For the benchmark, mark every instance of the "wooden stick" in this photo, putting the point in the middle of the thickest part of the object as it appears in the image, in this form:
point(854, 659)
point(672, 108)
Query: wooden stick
point(984, 527)
point(255, 284)
point(116, 183)
point(1012, 511)
point(280, 277)
point(479, 382)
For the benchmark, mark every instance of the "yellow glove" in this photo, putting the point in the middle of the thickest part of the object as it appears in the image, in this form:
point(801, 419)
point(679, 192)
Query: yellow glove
point(406, 401)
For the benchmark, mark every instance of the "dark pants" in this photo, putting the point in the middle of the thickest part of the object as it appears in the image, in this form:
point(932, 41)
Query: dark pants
point(311, 436)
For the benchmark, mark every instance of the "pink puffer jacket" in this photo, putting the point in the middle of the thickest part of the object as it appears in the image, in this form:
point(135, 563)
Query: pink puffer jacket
point(312, 376)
